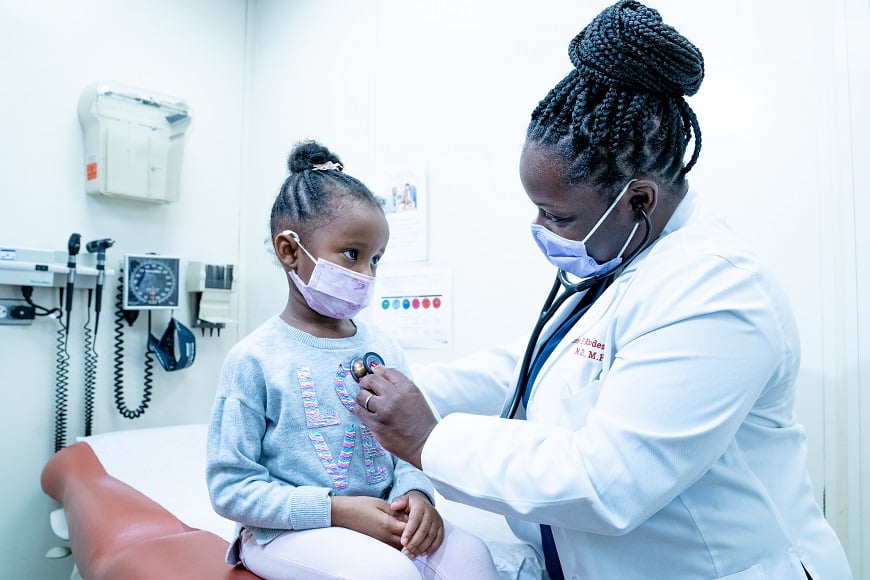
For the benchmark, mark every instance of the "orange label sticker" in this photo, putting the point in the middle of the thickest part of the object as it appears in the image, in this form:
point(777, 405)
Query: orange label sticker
point(91, 169)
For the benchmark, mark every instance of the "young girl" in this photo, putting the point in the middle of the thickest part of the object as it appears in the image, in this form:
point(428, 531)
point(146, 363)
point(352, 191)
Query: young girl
point(313, 493)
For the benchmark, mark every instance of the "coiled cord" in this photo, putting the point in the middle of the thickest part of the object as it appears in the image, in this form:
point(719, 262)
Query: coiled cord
point(61, 384)
point(91, 360)
point(118, 357)
point(118, 373)
point(148, 379)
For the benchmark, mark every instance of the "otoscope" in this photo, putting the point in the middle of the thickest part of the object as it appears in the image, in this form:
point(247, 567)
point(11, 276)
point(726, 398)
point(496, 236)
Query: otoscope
point(99, 247)
point(61, 386)
point(91, 358)
point(73, 246)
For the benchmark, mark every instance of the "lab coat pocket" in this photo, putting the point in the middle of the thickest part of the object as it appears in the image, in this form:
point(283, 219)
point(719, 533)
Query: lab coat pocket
point(754, 573)
point(578, 400)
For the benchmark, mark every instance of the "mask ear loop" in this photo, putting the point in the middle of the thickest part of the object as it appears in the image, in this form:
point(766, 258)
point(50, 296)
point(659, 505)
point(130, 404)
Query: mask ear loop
point(607, 213)
point(647, 222)
point(628, 241)
point(295, 237)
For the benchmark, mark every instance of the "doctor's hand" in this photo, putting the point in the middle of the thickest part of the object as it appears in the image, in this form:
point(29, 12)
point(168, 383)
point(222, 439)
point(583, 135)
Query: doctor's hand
point(394, 409)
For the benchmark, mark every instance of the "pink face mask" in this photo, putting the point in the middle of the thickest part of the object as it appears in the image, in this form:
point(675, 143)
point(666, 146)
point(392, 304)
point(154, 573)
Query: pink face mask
point(333, 290)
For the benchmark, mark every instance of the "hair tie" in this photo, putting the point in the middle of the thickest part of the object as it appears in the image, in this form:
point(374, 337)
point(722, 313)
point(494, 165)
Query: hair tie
point(326, 166)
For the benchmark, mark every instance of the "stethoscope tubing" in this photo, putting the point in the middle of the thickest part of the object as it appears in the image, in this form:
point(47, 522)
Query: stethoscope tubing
point(551, 306)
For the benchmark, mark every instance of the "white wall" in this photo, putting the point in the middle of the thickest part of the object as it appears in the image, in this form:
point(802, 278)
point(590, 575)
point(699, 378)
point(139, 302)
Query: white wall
point(846, 357)
point(51, 51)
point(448, 85)
point(451, 85)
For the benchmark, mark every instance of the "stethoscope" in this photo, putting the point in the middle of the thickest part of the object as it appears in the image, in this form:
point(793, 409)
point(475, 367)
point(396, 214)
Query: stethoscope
point(555, 301)
point(361, 366)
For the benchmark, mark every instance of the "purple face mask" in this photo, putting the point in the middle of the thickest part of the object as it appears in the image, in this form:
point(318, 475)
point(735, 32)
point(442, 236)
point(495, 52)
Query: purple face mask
point(333, 290)
point(571, 255)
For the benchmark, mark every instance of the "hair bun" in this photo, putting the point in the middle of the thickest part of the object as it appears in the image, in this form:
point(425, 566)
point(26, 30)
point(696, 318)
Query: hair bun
point(627, 46)
point(308, 154)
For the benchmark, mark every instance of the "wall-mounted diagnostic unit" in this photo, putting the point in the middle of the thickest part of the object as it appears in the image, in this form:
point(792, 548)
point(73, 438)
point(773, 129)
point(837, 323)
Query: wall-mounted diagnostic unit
point(151, 282)
point(45, 268)
point(134, 142)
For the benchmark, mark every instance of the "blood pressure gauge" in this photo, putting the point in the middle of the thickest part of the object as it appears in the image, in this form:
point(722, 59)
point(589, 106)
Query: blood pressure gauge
point(150, 282)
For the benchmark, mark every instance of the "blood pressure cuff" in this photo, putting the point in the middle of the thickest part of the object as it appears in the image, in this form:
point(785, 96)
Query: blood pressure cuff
point(177, 338)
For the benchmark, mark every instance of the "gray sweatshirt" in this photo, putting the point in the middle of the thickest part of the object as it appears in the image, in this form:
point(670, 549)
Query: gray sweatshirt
point(282, 438)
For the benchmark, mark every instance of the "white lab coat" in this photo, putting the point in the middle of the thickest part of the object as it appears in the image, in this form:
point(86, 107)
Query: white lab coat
point(660, 439)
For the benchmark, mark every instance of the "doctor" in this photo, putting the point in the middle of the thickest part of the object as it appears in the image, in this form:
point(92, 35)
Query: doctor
point(659, 438)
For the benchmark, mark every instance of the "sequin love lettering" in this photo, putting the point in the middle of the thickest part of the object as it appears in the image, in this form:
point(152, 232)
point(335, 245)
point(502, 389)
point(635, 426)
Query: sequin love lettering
point(337, 469)
point(588, 348)
point(315, 418)
point(372, 450)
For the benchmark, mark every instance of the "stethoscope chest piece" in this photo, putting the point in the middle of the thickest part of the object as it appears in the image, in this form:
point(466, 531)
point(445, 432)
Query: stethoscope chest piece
point(361, 366)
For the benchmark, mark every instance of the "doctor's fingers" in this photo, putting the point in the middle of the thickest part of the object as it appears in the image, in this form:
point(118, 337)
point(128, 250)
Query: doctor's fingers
point(363, 403)
point(391, 383)
point(393, 375)
point(377, 384)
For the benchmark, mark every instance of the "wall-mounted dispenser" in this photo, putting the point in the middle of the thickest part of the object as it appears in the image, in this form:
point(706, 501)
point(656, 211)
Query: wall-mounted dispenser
point(212, 286)
point(133, 142)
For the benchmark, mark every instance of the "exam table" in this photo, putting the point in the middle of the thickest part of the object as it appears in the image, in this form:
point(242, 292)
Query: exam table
point(134, 506)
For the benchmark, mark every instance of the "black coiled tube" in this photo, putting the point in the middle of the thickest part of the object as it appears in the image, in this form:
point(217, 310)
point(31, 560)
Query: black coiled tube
point(118, 358)
point(148, 380)
point(118, 372)
point(91, 360)
point(61, 387)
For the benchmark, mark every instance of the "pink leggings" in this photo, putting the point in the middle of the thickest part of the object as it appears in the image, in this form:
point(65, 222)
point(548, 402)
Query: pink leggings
point(339, 553)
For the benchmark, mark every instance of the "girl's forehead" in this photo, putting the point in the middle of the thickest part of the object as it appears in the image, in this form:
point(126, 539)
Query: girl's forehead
point(356, 209)
point(353, 220)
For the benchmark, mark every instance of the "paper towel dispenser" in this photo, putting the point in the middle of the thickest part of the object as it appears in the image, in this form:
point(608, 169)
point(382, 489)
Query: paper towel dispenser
point(133, 142)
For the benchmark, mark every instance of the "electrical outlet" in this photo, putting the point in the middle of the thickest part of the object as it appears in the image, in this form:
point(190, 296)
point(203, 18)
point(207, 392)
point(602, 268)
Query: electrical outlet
point(16, 312)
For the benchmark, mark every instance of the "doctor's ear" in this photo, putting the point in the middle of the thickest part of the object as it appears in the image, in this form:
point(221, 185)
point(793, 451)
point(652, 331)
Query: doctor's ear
point(643, 196)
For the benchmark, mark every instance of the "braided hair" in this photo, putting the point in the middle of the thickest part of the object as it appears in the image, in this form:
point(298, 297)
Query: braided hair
point(621, 113)
point(313, 192)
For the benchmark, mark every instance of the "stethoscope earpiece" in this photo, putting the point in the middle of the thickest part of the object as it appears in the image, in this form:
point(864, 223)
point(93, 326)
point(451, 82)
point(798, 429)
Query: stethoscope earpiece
point(361, 366)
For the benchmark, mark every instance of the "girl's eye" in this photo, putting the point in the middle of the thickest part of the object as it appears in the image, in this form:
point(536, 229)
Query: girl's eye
point(375, 260)
point(351, 254)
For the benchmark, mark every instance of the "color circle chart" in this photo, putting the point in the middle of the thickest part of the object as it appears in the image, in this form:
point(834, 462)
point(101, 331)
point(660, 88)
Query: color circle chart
point(413, 305)
point(434, 301)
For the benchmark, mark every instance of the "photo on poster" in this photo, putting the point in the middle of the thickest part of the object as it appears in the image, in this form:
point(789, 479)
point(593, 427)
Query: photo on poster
point(404, 192)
